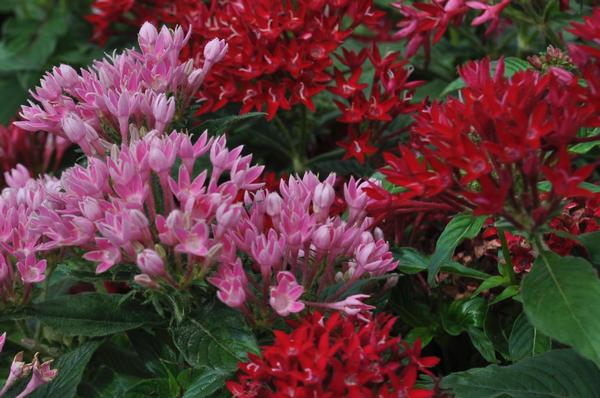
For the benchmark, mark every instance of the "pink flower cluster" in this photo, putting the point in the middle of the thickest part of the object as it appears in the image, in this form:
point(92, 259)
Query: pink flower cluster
point(176, 207)
point(297, 250)
point(95, 108)
point(20, 235)
point(143, 205)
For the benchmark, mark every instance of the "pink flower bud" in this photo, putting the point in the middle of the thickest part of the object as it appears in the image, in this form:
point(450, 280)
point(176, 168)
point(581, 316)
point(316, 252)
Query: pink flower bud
point(273, 204)
point(74, 128)
point(147, 36)
point(17, 177)
point(145, 281)
point(323, 197)
point(323, 237)
point(5, 272)
point(2, 341)
point(151, 263)
point(215, 50)
point(66, 76)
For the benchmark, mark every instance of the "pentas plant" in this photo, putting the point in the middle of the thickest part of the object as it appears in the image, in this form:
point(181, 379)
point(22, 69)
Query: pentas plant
point(300, 255)
point(369, 114)
point(148, 88)
point(127, 208)
point(279, 52)
point(336, 356)
point(576, 218)
point(490, 149)
point(146, 202)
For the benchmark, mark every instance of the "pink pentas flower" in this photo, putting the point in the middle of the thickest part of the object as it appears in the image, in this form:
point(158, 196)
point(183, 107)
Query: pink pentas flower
point(284, 296)
point(351, 305)
point(18, 370)
point(42, 374)
point(31, 270)
point(231, 282)
point(490, 13)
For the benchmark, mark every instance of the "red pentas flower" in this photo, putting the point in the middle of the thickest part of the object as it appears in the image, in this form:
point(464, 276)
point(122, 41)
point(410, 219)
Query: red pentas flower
point(279, 52)
point(369, 114)
point(37, 152)
point(338, 356)
point(490, 148)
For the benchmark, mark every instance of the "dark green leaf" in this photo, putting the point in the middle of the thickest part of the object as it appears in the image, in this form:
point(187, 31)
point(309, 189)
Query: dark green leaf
point(591, 242)
point(526, 341)
point(463, 315)
point(413, 262)
point(13, 95)
point(561, 297)
point(216, 337)
point(207, 384)
point(558, 373)
point(460, 227)
point(226, 123)
point(70, 370)
point(152, 388)
point(91, 314)
point(482, 343)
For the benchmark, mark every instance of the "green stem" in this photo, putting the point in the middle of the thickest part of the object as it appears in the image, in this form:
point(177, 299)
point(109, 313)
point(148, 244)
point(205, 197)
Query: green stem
point(508, 267)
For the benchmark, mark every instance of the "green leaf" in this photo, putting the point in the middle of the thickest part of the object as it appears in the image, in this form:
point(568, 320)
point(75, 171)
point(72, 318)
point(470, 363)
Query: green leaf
point(413, 262)
point(464, 314)
point(591, 242)
point(153, 351)
point(561, 297)
point(216, 337)
point(425, 334)
point(526, 341)
point(29, 43)
point(490, 283)
point(211, 381)
point(507, 293)
point(151, 388)
point(226, 123)
point(482, 343)
point(463, 226)
point(70, 371)
point(91, 314)
point(13, 95)
point(558, 373)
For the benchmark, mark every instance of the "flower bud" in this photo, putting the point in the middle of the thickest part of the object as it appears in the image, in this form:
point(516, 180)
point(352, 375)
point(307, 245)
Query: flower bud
point(215, 50)
point(273, 204)
point(150, 263)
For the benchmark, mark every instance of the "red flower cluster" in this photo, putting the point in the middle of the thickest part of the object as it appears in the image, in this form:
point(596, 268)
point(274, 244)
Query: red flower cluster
point(37, 152)
point(368, 115)
point(336, 357)
point(576, 218)
point(425, 22)
point(278, 51)
point(489, 149)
